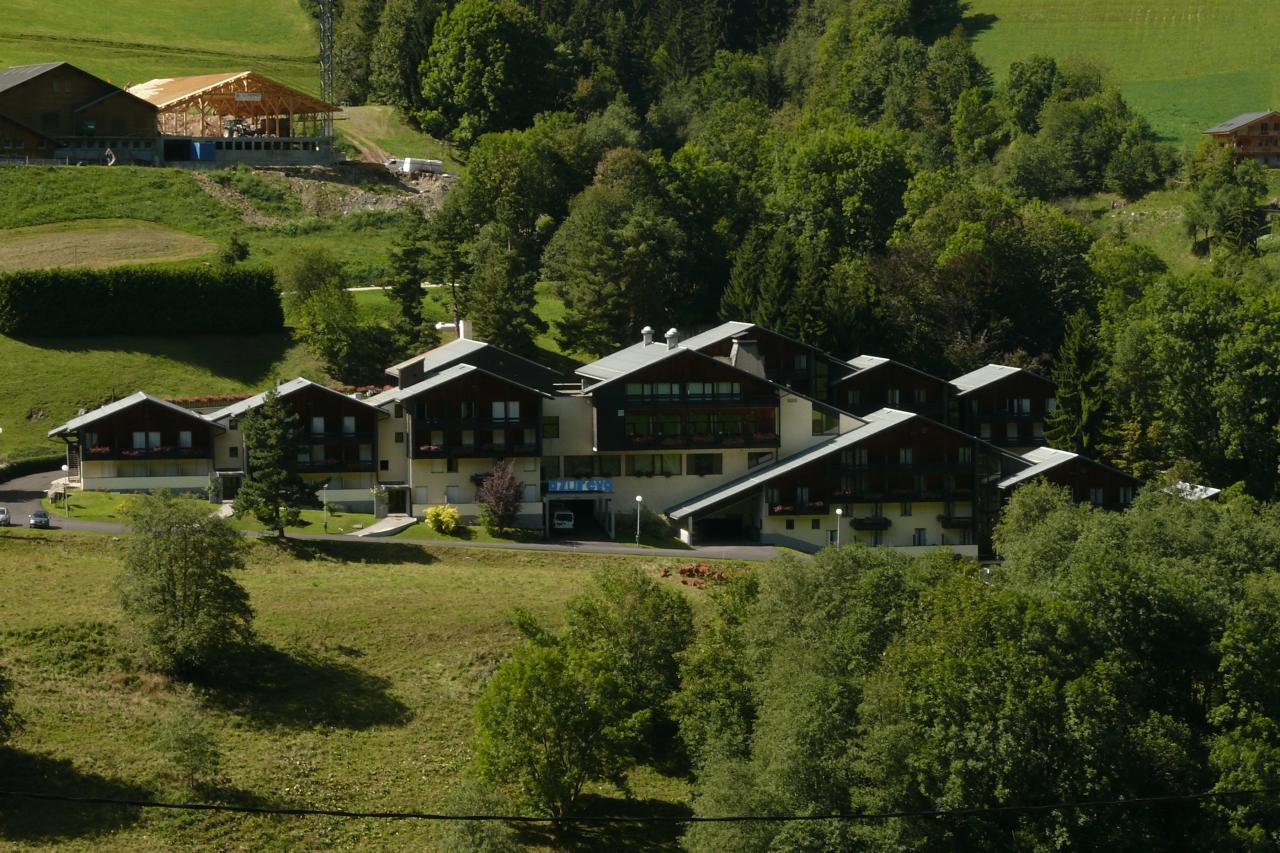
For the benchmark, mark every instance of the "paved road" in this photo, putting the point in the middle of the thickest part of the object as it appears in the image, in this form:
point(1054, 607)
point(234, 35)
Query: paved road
point(22, 496)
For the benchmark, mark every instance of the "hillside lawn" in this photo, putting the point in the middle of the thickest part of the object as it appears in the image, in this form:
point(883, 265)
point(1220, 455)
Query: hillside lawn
point(1184, 64)
point(380, 127)
point(359, 697)
point(131, 41)
point(96, 243)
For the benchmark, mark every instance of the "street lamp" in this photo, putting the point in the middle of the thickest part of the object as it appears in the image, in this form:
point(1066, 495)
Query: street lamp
point(639, 504)
point(839, 517)
point(324, 498)
point(66, 492)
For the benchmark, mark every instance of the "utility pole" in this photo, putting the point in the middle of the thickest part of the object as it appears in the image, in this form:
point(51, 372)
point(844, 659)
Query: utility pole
point(326, 59)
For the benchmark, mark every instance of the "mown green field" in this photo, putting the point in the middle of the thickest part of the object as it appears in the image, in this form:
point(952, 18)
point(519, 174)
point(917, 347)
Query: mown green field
point(130, 41)
point(1184, 64)
point(360, 696)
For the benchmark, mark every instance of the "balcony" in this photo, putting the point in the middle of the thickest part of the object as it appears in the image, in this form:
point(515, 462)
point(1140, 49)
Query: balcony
point(870, 522)
point(805, 508)
point(163, 452)
point(337, 466)
point(337, 438)
point(476, 451)
point(702, 440)
point(429, 423)
point(956, 522)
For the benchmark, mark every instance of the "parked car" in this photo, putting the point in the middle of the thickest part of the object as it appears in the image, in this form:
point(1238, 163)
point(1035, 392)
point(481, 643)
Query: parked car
point(39, 518)
point(4, 516)
point(562, 520)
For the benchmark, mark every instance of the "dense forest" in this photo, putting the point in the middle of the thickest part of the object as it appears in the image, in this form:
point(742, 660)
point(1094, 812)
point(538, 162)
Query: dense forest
point(848, 173)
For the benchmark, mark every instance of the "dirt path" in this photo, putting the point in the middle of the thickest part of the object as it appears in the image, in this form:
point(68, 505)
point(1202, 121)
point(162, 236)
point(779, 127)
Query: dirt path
point(234, 200)
point(370, 152)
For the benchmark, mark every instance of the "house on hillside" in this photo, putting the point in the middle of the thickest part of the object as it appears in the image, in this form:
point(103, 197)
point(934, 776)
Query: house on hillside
point(1007, 406)
point(56, 110)
point(1252, 136)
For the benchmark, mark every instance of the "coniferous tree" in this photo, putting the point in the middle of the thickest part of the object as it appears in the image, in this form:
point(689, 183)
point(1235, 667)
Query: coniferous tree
point(500, 295)
point(1078, 424)
point(272, 489)
point(404, 286)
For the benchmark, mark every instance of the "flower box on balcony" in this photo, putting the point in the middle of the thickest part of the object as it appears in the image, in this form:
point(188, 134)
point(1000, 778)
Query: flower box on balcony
point(98, 451)
point(735, 441)
point(764, 436)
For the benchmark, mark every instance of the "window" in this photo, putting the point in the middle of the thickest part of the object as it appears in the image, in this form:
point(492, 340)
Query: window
point(551, 427)
point(499, 438)
point(317, 426)
point(855, 397)
point(665, 464)
point(468, 438)
point(233, 425)
point(802, 494)
point(964, 455)
point(667, 391)
point(451, 465)
point(861, 457)
point(670, 464)
point(529, 493)
point(815, 524)
point(139, 441)
point(920, 537)
point(1011, 431)
point(891, 397)
point(551, 467)
point(706, 463)
point(399, 438)
point(304, 454)
point(1051, 405)
point(508, 410)
point(585, 467)
point(153, 440)
point(399, 411)
point(801, 361)
point(366, 453)
point(233, 452)
point(451, 494)
point(1126, 495)
point(825, 423)
point(384, 465)
point(437, 466)
point(922, 396)
point(904, 456)
point(755, 459)
point(877, 537)
point(184, 439)
point(466, 410)
point(904, 509)
point(1037, 429)
point(919, 485)
point(984, 431)
point(831, 537)
point(348, 425)
point(1096, 495)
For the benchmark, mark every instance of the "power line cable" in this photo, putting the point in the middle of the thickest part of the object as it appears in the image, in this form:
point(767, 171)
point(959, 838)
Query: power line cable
point(606, 819)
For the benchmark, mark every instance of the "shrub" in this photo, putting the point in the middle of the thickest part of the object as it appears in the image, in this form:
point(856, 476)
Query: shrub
point(443, 519)
point(185, 738)
point(139, 301)
point(500, 499)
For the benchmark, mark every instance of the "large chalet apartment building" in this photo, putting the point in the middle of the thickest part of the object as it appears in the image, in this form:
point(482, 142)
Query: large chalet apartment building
point(735, 433)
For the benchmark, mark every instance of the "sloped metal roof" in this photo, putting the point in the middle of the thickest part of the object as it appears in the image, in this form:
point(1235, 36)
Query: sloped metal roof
point(986, 375)
point(436, 380)
point(724, 331)
point(1238, 122)
point(626, 360)
point(284, 389)
point(866, 362)
point(876, 422)
point(441, 356)
point(19, 74)
point(119, 406)
point(1042, 459)
point(1192, 491)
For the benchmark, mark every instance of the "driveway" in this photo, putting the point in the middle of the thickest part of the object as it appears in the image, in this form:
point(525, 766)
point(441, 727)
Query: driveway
point(22, 496)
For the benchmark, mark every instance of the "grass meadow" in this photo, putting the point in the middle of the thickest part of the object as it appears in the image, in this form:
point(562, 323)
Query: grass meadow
point(359, 695)
point(1184, 64)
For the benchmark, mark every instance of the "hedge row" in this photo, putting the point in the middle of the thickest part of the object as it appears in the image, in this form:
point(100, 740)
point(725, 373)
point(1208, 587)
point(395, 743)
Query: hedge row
point(139, 301)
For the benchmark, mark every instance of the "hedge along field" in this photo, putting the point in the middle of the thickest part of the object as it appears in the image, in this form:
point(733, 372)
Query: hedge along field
point(139, 300)
point(1184, 64)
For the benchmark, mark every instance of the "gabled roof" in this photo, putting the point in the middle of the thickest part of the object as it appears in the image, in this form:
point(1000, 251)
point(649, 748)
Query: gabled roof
point(1044, 459)
point(989, 375)
point(441, 356)
point(19, 74)
point(507, 365)
point(436, 380)
point(876, 422)
point(284, 389)
point(723, 332)
point(1239, 121)
point(862, 363)
point(168, 92)
point(626, 360)
point(1192, 491)
point(119, 406)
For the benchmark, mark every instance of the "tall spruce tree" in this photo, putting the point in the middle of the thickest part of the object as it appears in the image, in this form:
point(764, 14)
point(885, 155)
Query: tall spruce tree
point(272, 490)
point(500, 295)
point(1078, 424)
point(409, 263)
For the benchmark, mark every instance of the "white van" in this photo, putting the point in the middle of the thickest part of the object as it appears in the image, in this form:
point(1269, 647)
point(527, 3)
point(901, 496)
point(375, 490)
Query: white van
point(562, 520)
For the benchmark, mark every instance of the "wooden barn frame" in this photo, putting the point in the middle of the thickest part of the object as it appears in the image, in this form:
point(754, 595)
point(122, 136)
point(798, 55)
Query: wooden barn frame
point(243, 103)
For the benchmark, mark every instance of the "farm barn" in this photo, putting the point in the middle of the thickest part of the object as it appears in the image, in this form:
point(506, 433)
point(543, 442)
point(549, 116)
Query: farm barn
point(239, 117)
point(54, 109)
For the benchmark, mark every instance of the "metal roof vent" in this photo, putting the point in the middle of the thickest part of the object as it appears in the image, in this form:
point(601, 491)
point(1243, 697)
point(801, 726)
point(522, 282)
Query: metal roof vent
point(673, 337)
point(646, 335)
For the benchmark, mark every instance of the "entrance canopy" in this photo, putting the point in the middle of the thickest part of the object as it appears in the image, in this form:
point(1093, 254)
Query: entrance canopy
point(236, 104)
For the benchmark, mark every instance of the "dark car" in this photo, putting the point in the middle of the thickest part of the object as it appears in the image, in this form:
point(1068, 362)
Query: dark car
point(39, 518)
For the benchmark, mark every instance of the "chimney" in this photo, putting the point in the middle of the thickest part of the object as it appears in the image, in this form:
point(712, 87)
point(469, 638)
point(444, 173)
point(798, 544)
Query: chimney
point(464, 330)
point(673, 337)
point(646, 335)
point(745, 355)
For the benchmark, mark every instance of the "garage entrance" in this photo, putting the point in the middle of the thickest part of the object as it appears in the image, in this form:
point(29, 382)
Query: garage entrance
point(588, 522)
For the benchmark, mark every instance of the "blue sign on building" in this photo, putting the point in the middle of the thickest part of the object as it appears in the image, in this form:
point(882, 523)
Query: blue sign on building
point(579, 486)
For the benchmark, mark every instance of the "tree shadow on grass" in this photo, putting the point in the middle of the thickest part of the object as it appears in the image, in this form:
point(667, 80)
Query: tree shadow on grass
point(247, 359)
point(301, 689)
point(637, 837)
point(359, 551)
point(37, 821)
point(978, 23)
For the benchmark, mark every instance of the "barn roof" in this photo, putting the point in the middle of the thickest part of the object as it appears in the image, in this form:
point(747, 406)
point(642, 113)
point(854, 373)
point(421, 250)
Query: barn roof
point(1239, 122)
point(169, 92)
point(19, 74)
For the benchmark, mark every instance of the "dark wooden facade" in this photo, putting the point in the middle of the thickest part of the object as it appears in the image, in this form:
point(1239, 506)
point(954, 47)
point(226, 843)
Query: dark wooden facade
point(686, 402)
point(146, 430)
point(1093, 483)
point(1010, 412)
point(19, 141)
point(335, 434)
point(895, 386)
point(63, 102)
point(787, 362)
point(476, 416)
